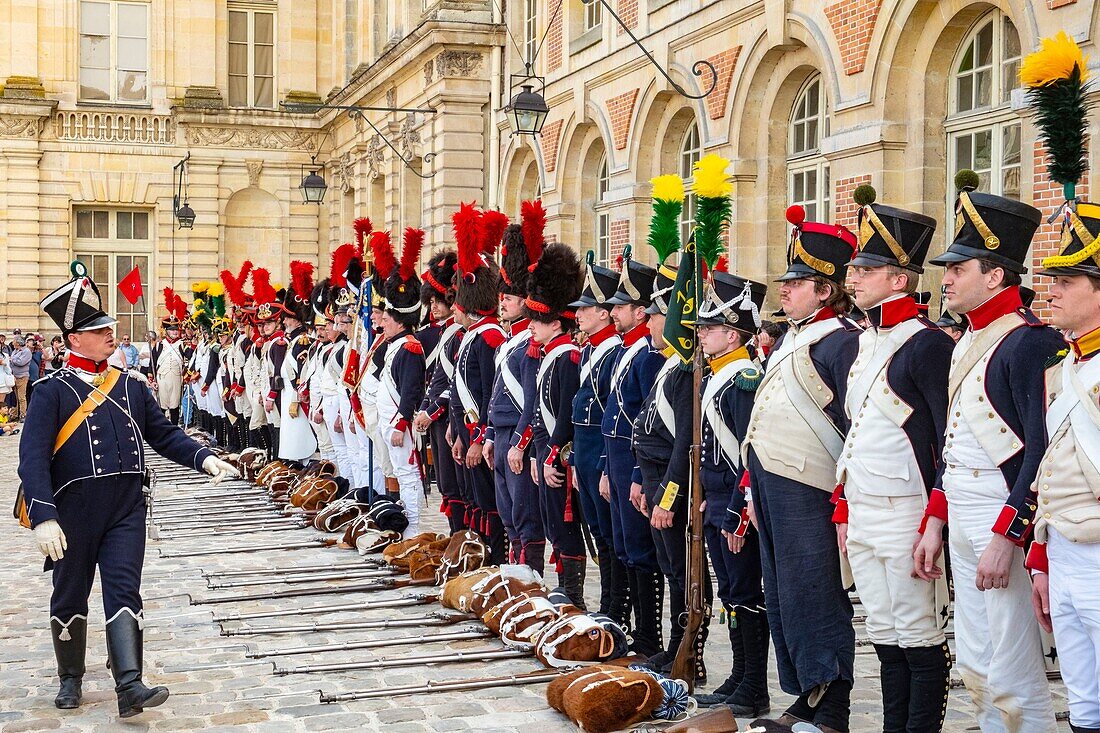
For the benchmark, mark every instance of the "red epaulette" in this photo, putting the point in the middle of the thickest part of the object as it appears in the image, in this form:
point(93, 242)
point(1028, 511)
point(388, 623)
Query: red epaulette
point(412, 345)
point(494, 337)
point(575, 356)
point(1030, 319)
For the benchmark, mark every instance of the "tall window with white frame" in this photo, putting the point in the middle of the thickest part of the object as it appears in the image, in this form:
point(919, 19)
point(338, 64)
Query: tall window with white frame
point(807, 169)
point(593, 14)
point(114, 52)
point(112, 242)
point(603, 214)
point(691, 150)
point(983, 133)
point(530, 29)
point(251, 58)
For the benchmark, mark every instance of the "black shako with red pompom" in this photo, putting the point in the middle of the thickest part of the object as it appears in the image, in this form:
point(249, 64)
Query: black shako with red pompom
point(817, 249)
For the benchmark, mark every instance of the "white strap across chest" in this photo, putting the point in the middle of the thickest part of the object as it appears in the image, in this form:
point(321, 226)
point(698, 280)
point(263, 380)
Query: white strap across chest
point(624, 360)
point(465, 396)
point(548, 417)
point(440, 351)
point(664, 407)
point(1077, 403)
point(725, 438)
point(984, 341)
point(511, 380)
point(596, 356)
point(803, 338)
point(860, 385)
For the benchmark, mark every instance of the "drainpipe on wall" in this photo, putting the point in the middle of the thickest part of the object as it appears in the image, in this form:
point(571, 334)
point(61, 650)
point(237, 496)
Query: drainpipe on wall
point(493, 194)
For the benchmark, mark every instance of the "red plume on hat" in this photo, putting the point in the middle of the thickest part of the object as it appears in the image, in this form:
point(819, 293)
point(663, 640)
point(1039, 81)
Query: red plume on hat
point(491, 230)
point(382, 252)
point(262, 291)
point(175, 304)
point(341, 259)
point(410, 252)
point(362, 227)
point(466, 227)
point(301, 279)
point(534, 223)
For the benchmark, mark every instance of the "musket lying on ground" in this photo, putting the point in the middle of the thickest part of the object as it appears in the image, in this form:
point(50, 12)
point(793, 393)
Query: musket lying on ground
point(470, 632)
point(436, 618)
point(233, 532)
point(280, 570)
point(242, 520)
point(480, 683)
point(215, 508)
point(419, 599)
point(311, 544)
point(374, 585)
point(478, 655)
point(356, 574)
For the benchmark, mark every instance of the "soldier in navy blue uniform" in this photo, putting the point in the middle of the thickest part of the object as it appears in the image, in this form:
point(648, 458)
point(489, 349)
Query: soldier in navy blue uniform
point(438, 297)
point(728, 319)
point(555, 282)
point(513, 396)
point(996, 437)
point(82, 464)
point(897, 401)
point(635, 368)
point(478, 235)
point(597, 361)
point(794, 438)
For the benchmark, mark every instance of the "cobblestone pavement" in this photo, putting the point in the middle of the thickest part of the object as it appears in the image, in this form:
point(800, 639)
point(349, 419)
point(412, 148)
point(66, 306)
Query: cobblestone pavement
point(216, 686)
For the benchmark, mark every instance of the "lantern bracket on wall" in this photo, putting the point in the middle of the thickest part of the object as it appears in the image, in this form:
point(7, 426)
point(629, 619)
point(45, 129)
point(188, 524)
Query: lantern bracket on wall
point(357, 112)
point(181, 210)
point(697, 68)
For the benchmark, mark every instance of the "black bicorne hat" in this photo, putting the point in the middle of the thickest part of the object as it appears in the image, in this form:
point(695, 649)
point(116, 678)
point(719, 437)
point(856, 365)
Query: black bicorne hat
point(733, 301)
point(1079, 247)
point(77, 305)
point(890, 236)
point(635, 283)
point(817, 249)
point(600, 284)
point(991, 228)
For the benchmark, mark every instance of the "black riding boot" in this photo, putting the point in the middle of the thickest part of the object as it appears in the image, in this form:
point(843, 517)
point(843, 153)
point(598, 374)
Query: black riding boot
point(929, 684)
point(737, 671)
point(700, 648)
point(498, 541)
point(534, 556)
point(894, 676)
point(751, 696)
point(835, 707)
point(69, 645)
point(647, 592)
point(604, 554)
point(571, 579)
point(677, 608)
point(620, 591)
point(124, 655)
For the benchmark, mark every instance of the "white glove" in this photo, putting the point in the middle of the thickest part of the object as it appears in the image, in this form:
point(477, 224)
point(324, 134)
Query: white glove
point(51, 540)
point(219, 469)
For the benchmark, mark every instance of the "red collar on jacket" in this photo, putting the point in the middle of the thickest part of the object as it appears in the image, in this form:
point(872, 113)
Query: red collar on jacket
point(893, 311)
point(482, 321)
point(1002, 303)
point(636, 334)
point(84, 364)
point(518, 327)
point(602, 335)
point(823, 313)
point(1086, 346)
point(561, 338)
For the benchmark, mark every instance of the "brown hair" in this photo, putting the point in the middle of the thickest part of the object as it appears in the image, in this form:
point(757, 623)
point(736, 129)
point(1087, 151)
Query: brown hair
point(912, 279)
point(839, 299)
point(1010, 278)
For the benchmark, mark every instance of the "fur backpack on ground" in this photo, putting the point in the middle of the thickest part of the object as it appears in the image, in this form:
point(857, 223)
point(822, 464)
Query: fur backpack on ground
point(495, 615)
point(399, 551)
point(523, 621)
point(424, 564)
point(379, 528)
point(313, 493)
point(509, 581)
point(338, 515)
point(580, 638)
point(264, 473)
point(602, 699)
point(250, 462)
point(464, 552)
point(421, 555)
point(458, 592)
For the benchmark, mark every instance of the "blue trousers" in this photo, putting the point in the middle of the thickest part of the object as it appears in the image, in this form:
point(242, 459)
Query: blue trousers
point(808, 607)
point(588, 443)
point(630, 528)
point(739, 576)
point(517, 494)
point(104, 524)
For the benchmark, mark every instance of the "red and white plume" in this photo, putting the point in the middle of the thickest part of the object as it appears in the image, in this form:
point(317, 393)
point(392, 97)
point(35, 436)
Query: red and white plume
point(301, 279)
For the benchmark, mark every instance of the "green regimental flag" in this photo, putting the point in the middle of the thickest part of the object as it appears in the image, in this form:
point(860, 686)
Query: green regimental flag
point(683, 305)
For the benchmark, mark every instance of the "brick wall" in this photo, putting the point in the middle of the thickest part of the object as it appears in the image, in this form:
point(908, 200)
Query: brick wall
point(555, 36)
point(724, 64)
point(620, 109)
point(1052, 4)
point(628, 11)
point(620, 237)
point(846, 209)
point(852, 22)
point(1047, 196)
point(549, 140)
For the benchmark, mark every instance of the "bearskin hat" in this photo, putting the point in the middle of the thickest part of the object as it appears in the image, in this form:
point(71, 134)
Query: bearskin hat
point(301, 291)
point(477, 235)
point(383, 264)
point(440, 278)
point(522, 247)
point(555, 282)
point(403, 286)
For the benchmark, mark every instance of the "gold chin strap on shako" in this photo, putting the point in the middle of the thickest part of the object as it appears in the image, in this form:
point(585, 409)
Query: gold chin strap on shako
point(592, 284)
point(628, 284)
point(871, 224)
point(1091, 244)
point(992, 241)
point(825, 268)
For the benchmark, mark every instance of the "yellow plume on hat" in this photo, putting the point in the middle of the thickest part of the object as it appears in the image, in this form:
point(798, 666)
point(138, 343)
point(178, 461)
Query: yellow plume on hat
point(668, 187)
point(1054, 61)
point(711, 180)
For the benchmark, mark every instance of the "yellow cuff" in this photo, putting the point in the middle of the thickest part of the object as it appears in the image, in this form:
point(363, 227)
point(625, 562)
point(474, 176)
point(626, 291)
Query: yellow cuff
point(668, 498)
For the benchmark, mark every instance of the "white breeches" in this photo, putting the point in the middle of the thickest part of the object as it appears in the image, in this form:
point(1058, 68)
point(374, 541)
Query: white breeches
point(1075, 611)
point(403, 462)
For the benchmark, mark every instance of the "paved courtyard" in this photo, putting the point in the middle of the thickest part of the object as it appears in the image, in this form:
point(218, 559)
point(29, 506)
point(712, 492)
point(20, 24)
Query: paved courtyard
point(216, 685)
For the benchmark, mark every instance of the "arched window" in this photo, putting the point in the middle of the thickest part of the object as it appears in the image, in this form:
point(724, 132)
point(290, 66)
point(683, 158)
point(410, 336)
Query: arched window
point(691, 150)
point(807, 168)
point(603, 214)
point(983, 133)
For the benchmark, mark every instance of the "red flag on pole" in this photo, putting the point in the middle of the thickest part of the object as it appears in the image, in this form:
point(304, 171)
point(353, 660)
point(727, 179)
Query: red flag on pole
point(130, 286)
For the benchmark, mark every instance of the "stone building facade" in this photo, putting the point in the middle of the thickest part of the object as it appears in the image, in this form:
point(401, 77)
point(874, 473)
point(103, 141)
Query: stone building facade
point(101, 98)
